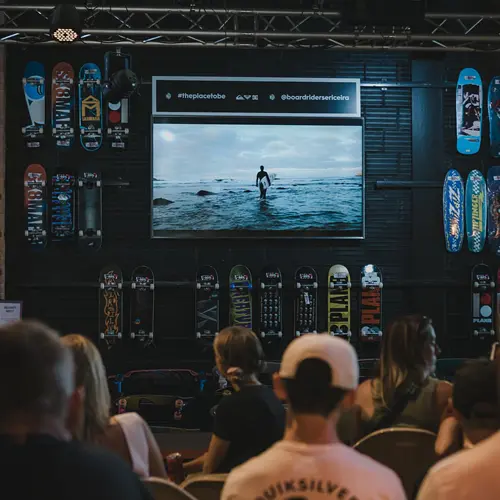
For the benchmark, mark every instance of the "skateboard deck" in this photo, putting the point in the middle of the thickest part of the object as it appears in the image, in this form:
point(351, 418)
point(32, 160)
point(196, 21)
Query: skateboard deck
point(306, 301)
point(271, 303)
point(497, 308)
point(494, 116)
point(34, 94)
point(482, 301)
point(469, 111)
point(453, 211)
point(476, 212)
point(339, 302)
point(110, 306)
point(142, 306)
point(117, 113)
point(90, 210)
point(240, 296)
point(63, 207)
point(63, 105)
point(494, 209)
point(35, 205)
point(90, 105)
point(207, 303)
point(371, 303)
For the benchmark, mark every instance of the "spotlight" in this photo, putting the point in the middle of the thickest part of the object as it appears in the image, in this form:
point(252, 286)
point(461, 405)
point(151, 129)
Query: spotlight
point(122, 85)
point(65, 26)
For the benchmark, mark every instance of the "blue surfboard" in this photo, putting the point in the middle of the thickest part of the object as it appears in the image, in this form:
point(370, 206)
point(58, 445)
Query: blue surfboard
point(453, 211)
point(476, 212)
point(469, 111)
point(494, 209)
point(34, 94)
point(494, 116)
point(90, 106)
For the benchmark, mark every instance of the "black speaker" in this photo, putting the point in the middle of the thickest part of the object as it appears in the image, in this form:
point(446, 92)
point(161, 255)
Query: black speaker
point(383, 12)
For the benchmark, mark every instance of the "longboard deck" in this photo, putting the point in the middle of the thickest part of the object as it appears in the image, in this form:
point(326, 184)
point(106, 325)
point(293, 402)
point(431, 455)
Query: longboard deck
point(476, 211)
point(142, 306)
point(271, 303)
point(90, 106)
point(306, 301)
point(90, 210)
point(339, 302)
point(469, 107)
point(63, 207)
point(35, 205)
point(110, 306)
point(207, 303)
point(34, 94)
point(453, 211)
point(240, 294)
point(63, 104)
point(482, 302)
point(494, 210)
point(494, 116)
point(371, 304)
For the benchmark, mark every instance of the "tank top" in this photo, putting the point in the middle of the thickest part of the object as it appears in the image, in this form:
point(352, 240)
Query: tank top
point(133, 429)
point(422, 412)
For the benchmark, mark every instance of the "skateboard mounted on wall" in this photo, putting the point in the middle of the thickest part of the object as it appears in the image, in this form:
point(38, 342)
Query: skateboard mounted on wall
point(35, 205)
point(34, 94)
point(371, 303)
point(110, 306)
point(142, 306)
point(494, 116)
point(271, 303)
point(63, 105)
point(63, 207)
point(483, 285)
point(453, 211)
point(90, 210)
point(476, 212)
point(469, 109)
point(90, 106)
point(240, 297)
point(339, 302)
point(493, 183)
point(207, 303)
point(306, 301)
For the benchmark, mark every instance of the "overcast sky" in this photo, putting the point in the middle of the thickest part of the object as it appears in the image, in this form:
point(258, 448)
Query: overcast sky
point(194, 152)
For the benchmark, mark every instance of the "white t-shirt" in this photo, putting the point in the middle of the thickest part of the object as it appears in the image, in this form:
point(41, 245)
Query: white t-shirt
point(468, 474)
point(291, 470)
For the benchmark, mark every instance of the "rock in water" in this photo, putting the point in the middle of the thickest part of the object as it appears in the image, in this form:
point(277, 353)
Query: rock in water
point(161, 202)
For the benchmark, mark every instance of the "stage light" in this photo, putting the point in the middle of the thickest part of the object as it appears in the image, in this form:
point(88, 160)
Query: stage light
point(65, 26)
point(121, 86)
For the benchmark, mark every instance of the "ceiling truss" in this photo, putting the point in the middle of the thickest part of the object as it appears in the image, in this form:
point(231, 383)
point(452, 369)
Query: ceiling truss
point(247, 28)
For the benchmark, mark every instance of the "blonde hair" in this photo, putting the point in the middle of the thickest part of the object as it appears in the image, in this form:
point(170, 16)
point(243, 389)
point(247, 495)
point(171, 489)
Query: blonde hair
point(91, 375)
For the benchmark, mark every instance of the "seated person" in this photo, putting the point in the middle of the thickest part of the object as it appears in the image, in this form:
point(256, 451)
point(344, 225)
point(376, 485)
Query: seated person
point(128, 434)
point(252, 418)
point(318, 377)
point(38, 459)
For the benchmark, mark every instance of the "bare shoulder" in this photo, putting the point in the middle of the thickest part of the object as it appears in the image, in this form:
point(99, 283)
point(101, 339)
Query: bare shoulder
point(364, 392)
point(444, 391)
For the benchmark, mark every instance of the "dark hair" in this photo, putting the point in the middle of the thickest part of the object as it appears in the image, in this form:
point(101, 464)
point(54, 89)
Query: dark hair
point(310, 391)
point(36, 372)
point(240, 352)
point(475, 391)
point(262, 167)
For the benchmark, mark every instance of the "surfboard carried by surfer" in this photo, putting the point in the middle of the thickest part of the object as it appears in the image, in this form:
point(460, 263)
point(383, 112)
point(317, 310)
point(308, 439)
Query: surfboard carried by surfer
point(263, 182)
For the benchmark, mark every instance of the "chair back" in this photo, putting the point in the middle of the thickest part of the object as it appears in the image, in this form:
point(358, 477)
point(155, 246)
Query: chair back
point(408, 452)
point(162, 489)
point(205, 486)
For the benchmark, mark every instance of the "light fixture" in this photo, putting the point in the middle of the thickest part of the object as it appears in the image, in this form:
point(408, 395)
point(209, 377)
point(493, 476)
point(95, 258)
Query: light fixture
point(122, 85)
point(65, 26)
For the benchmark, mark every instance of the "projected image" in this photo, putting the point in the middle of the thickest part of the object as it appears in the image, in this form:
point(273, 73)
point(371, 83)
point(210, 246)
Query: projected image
point(254, 177)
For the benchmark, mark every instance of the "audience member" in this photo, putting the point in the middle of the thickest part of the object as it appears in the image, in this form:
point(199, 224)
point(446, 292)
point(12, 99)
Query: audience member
point(127, 434)
point(318, 377)
point(252, 418)
point(37, 457)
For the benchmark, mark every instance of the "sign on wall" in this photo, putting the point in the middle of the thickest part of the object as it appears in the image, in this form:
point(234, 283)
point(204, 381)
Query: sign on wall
point(212, 96)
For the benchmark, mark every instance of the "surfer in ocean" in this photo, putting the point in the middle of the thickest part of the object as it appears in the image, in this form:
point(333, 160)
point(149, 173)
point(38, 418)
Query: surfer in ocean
point(263, 182)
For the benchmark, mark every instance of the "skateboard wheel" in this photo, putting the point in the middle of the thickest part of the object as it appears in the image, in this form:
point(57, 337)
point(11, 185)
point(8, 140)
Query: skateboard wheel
point(120, 286)
point(476, 284)
point(492, 284)
point(263, 335)
point(381, 285)
point(332, 285)
point(43, 183)
point(198, 286)
point(98, 184)
point(492, 332)
point(349, 285)
point(80, 183)
point(151, 335)
point(133, 286)
point(54, 131)
point(127, 131)
point(280, 286)
point(80, 233)
point(99, 233)
point(262, 286)
point(297, 334)
point(81, 81)
point(71, 81)
point(280, 335)
point(26, 233)
point(102, 286)
point(198, 335)
point(71, 130)
point(314, 331)
point(108, 131)
point(132, 335)
point(315, 285)
point(44, 233)
point(476, 333)
point(298, 285)
point(40, 130)
point(25, 183)
point(119, 335)
point(102, 336)
point(217, 286)
point(24, 81)
point(152, 286)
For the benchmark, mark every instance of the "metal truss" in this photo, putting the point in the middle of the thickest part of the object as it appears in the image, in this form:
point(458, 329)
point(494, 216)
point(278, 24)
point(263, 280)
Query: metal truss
point(251, 28)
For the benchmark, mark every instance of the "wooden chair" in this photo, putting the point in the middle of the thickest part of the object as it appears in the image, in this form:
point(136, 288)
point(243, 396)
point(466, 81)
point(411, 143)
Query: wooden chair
point(161, 489)
point(205, 486)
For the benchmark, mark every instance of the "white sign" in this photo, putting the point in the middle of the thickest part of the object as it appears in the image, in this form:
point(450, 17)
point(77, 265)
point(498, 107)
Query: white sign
point(10, 311)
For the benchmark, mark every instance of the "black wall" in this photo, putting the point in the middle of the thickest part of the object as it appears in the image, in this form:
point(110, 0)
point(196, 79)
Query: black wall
point(403, 228)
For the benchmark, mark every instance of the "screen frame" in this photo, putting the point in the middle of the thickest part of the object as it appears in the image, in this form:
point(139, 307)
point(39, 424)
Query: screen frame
point(248, 234)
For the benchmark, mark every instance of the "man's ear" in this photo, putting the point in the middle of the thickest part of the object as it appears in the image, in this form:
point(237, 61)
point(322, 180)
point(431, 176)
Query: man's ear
point(279, 387)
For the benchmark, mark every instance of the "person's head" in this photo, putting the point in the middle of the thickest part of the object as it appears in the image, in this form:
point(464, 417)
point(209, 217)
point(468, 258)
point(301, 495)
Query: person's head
point(36, 377)
point(318, 375)
point(90, 375)
point(238, 354)
point(262, 168)
point(408, 349)
point(475, 393)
